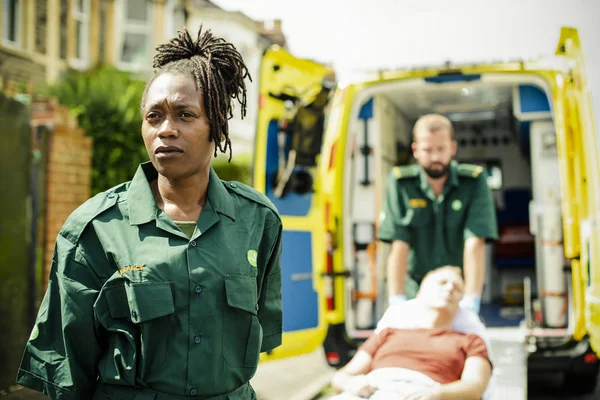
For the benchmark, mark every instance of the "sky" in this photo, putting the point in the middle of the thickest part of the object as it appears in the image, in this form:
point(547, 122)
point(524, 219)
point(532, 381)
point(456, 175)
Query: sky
point(374, 34)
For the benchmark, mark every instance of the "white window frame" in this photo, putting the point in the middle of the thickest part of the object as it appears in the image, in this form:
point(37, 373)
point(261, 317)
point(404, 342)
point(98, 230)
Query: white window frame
point(83, 17)
point(124, 27)
point(17, 44)
point(170, 8)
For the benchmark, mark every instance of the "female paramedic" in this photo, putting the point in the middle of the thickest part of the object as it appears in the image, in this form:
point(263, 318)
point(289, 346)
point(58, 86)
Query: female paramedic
point(168, 286)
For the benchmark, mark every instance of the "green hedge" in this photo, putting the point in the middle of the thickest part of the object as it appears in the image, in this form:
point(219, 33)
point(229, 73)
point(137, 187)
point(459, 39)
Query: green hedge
point(239, 169)
point(106, 103)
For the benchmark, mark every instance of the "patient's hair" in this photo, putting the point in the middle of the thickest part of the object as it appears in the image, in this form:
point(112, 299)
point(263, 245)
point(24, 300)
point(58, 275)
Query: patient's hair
point(432, 123)
point(453, 268)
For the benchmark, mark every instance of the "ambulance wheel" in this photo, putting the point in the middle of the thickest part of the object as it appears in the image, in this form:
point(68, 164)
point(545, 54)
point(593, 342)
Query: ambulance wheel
point(581, 383)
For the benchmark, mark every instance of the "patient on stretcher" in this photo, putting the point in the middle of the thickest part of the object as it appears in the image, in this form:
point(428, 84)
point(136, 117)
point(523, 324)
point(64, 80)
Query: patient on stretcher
point(417, 352)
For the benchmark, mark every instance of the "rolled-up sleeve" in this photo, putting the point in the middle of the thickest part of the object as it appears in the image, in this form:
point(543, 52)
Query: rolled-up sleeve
point(481, 215)
point(392, 225)
point(62, 353)
point(269, 303)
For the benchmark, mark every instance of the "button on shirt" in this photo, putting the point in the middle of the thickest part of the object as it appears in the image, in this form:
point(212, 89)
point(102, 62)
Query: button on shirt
point(134, 301)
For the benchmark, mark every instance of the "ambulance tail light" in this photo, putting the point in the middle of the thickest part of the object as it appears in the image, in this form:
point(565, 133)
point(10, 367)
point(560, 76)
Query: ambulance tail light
point(590, 358)
point(333, 357)
point(329, 282)
point(328, 275)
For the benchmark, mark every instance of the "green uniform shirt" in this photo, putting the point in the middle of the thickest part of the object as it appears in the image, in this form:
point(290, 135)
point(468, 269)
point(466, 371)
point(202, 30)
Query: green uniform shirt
point(436, 228)
point(133, 301)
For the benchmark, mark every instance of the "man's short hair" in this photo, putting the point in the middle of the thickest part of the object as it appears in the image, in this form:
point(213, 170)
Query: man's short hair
point(452, 268)
point(433, 123)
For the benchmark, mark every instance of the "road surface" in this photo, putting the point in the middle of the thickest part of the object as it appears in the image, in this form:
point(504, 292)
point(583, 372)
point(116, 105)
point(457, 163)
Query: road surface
point(303, 377)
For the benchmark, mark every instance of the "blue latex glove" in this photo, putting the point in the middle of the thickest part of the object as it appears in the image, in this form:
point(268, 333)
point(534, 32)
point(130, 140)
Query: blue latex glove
point(471, 302)
point(397, 299)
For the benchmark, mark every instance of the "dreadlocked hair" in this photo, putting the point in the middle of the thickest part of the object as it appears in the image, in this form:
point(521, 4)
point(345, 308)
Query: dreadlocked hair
point(218, 69)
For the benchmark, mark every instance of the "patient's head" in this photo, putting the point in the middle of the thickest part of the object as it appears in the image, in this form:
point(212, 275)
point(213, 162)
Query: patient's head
point(442, 288)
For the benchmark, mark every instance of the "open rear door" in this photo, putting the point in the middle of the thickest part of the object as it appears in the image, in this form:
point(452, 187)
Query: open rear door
point(294, 94)
point(580, 124)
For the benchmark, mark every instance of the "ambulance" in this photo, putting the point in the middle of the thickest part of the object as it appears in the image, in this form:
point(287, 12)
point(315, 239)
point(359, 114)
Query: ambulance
point(325, 148)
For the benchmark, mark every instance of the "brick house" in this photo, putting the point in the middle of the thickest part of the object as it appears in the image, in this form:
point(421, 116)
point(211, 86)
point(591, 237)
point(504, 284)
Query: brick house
point(41, 39)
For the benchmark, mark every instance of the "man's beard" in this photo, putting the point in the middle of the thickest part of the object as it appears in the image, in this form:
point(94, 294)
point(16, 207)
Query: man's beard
point(437, 173)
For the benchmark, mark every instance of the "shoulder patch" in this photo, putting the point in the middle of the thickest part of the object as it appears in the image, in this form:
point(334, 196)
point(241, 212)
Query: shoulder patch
point(90, 209)
point(251, 194)
point(406, 171)
point(469, 170)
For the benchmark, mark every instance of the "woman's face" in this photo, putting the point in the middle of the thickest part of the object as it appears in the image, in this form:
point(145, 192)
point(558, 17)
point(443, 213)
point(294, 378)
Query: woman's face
point(175, 128)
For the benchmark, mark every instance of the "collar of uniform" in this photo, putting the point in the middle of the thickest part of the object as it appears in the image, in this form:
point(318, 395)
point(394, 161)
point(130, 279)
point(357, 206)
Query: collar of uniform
point(142, 206)
point(219, 197)
point(452, 177)
point(423, 180)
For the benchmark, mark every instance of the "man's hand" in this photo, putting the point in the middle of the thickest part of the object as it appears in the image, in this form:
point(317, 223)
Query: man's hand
point(359, 386)
point(471, 302)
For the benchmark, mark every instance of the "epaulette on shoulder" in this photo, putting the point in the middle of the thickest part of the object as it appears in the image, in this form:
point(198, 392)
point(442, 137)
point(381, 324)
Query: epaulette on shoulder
point(251, 194)
point(469, 170)
point(90, 209)
point(406, 171)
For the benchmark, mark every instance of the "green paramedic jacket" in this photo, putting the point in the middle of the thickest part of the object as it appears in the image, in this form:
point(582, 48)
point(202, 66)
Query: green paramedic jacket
point(436, 227)
point(134, 306)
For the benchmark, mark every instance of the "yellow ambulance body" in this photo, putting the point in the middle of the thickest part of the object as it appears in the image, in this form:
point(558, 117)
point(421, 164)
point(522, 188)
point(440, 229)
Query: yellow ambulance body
point(323, 153)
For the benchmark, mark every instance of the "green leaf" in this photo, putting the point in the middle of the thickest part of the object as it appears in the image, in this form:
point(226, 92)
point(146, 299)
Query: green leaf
point(106, 103)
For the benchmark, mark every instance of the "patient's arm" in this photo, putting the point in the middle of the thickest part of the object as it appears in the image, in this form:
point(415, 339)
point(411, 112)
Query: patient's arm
point(351, 378)
point(473, 381)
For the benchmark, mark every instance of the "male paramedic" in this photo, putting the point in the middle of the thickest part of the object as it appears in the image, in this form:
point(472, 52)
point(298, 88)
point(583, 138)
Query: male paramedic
point(425, 359)
point(436, 212)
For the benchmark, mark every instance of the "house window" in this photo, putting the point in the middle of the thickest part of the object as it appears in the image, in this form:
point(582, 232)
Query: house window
point(136, 35)
point(12, 17)
point(81, 17)
point(64, 22)
point(41, 18)
point(175, 17)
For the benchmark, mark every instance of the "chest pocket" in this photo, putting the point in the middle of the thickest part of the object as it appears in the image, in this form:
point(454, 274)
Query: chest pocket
point(420, 215)
point(146, 306)
point(455, 212)
point(242, 332)
point(149, 300)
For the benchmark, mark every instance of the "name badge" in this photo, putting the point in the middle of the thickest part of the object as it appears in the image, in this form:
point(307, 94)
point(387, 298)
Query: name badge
point(417, 203)
point(131, 268)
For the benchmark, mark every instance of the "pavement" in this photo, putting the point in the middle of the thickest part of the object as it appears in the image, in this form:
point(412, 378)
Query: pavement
point(304, 377)
point(296, 378)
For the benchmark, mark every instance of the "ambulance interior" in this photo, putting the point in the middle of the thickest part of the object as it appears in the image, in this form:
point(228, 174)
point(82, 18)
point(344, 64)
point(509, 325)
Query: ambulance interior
point(503, 123)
